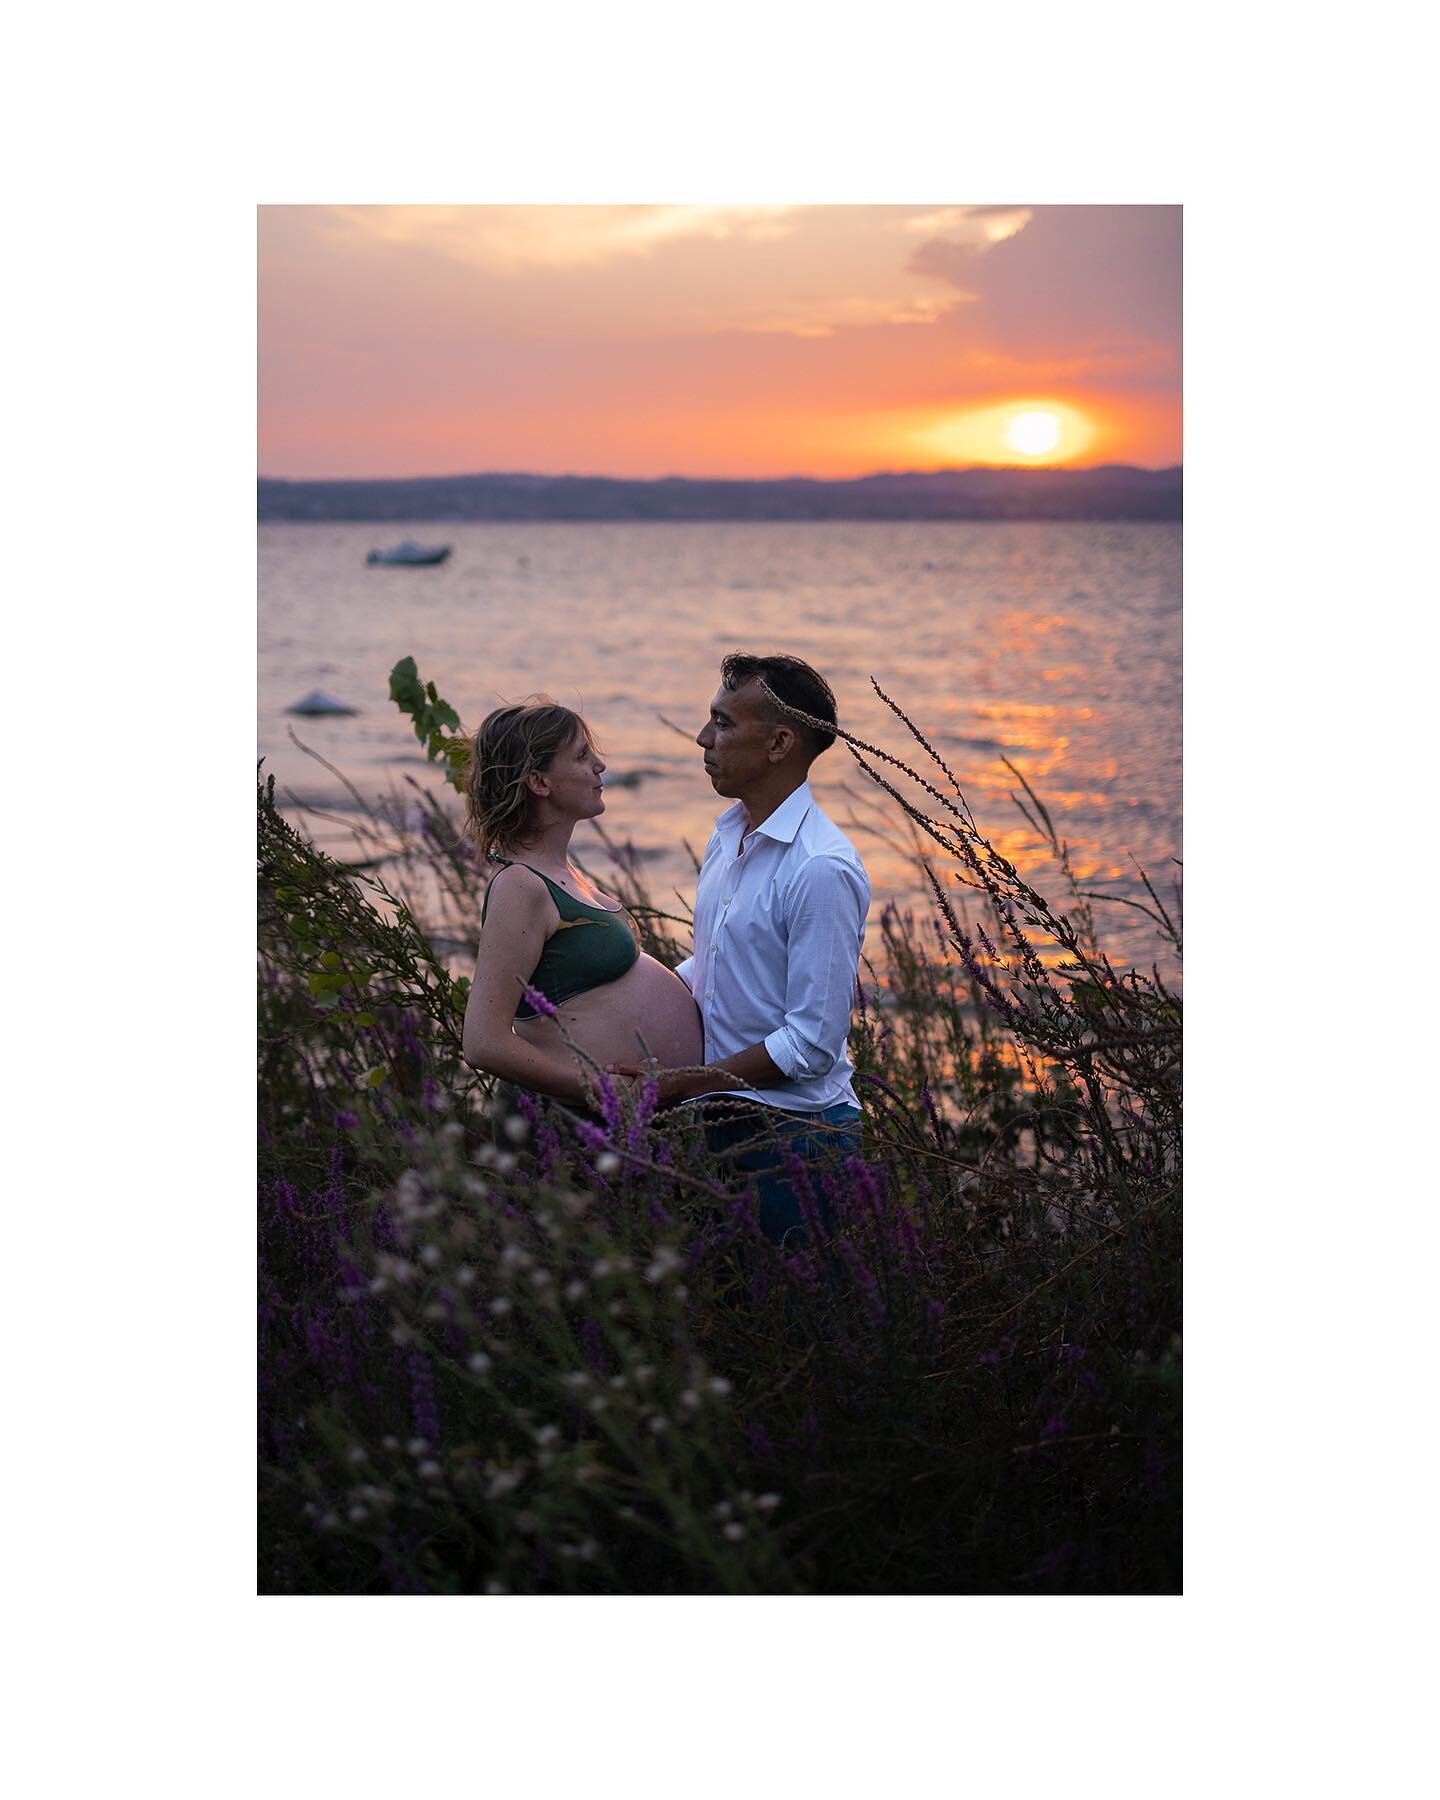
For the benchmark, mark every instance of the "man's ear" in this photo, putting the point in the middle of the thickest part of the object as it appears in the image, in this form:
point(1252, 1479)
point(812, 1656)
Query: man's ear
point(780, 744)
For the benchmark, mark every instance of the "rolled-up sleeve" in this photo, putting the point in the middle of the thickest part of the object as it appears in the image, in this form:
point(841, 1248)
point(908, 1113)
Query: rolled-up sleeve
point(825, 924)
point(684, 970)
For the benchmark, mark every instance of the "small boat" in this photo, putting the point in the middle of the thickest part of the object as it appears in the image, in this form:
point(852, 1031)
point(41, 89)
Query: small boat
point(320, 706)
point(410, 556)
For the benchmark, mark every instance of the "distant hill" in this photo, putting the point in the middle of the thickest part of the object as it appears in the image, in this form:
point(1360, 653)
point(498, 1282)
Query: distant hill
point(1114, 492)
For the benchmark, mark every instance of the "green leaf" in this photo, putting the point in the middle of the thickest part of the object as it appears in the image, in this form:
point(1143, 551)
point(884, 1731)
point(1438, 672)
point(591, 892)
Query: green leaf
point(405, 689)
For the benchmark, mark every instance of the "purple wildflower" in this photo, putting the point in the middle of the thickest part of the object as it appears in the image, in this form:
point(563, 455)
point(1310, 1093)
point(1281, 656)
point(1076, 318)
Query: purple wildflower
point(610, 1107)
point(592, 1343)
point(538, 1003)
point(803, 1268)
point(422, 1399)
point(547, 1150)
point(870, 1294)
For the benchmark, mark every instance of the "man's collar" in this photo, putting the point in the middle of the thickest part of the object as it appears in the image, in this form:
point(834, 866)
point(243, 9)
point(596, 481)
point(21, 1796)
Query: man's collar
point(782, 824)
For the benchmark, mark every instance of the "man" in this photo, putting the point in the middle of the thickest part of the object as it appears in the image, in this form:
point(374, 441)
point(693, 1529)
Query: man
point(779, 920)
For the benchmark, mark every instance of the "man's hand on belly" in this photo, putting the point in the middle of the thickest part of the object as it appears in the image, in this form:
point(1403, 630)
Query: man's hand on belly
point(752, 1067)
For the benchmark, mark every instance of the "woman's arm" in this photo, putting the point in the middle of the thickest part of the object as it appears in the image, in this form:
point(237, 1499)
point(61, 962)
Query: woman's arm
point(519, 918)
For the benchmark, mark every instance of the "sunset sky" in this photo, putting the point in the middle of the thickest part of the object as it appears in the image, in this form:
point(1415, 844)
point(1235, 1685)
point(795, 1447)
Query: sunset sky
point(716, 341)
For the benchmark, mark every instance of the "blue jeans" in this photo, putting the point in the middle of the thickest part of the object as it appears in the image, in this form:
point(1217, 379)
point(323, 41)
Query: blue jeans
point(753, 1141)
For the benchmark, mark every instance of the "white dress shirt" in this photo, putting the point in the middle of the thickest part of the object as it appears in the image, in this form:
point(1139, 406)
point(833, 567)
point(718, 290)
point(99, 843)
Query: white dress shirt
point(778, 930)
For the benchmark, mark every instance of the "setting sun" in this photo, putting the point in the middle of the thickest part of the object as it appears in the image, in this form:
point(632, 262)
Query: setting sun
point(1033, 433)
point(1024, 431)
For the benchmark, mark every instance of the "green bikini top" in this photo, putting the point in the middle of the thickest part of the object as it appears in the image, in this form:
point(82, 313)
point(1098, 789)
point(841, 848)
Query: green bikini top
point(591, 945)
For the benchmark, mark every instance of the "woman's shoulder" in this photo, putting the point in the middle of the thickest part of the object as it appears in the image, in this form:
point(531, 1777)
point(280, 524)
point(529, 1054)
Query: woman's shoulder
point(515, 891)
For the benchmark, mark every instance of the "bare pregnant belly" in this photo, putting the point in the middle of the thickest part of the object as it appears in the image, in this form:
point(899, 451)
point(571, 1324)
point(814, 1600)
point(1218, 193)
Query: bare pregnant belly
point(648, 1009)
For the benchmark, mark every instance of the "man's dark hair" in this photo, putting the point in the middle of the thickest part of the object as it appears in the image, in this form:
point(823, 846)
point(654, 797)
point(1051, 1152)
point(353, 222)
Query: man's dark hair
point(792, 681)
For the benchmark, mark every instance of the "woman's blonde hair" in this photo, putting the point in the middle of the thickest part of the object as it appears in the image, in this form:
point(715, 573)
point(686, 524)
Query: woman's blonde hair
point(512, 742)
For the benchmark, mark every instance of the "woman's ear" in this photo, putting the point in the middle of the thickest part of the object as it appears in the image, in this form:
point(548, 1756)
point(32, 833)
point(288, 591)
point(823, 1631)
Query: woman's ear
point(537, 783)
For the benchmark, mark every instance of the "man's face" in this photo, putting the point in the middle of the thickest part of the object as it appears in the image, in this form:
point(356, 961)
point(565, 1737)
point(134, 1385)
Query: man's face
point(736, 739)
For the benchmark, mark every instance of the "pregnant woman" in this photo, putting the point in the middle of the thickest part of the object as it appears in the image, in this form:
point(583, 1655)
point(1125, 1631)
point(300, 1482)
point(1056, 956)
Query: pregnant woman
point(534, 775)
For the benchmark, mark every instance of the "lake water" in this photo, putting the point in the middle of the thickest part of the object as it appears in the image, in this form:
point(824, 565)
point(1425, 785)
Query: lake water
point(1057, 646)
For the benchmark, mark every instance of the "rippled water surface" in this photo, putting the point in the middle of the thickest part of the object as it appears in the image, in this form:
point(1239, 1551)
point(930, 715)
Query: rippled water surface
point(1057, 646)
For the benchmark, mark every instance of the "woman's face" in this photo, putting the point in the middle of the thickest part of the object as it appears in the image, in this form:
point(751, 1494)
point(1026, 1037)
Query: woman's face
point(574, 779)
